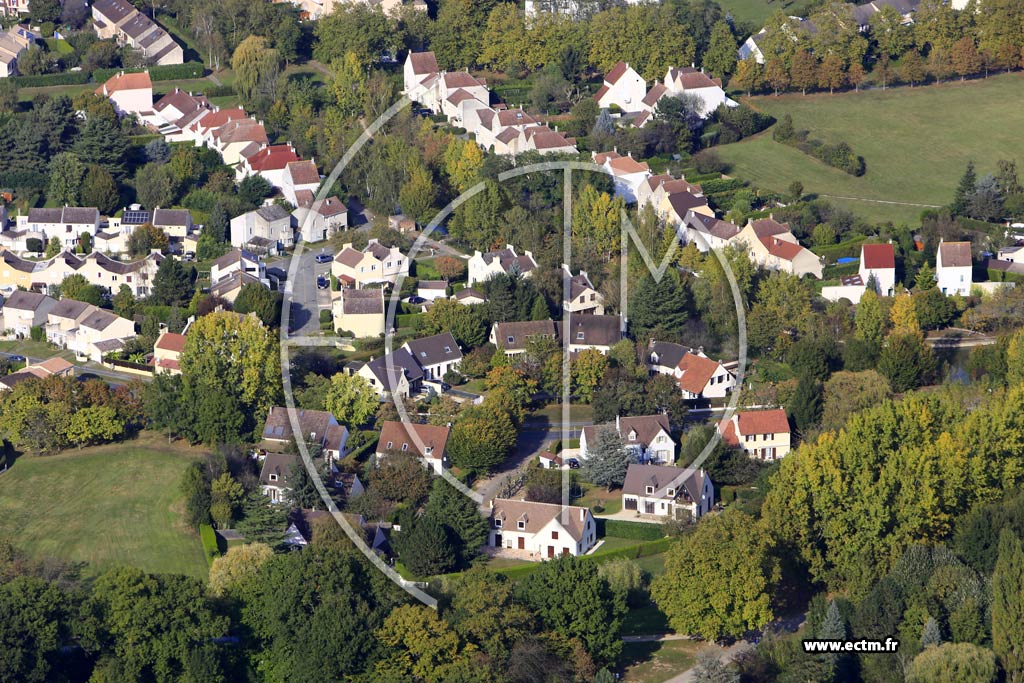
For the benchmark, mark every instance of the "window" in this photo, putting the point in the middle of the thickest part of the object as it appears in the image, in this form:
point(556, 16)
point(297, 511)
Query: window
point(520, 525)
point(649, 490)
point(554, 535)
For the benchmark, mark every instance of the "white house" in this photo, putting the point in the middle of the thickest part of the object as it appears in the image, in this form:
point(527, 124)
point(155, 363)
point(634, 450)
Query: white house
point(666, 491)
point(697, 375)
point(623, 87)
point(762, 434)
point(483, 267)
point(426, 442)
point(648, 437)
point(541, 530)
point(953, 268)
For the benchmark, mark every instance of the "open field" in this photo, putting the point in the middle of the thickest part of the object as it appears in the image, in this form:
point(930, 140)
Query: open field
point(915, 142)
point(109, 505)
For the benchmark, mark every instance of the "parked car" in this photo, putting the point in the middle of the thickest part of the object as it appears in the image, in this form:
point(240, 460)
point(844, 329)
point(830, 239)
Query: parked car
point(324, 257)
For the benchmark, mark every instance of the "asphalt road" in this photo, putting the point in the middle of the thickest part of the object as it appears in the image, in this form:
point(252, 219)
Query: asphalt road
point(307, 301)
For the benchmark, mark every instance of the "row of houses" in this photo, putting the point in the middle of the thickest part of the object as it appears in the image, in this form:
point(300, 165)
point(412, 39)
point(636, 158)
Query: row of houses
point(625, 89)
point(466, 102)
point(89, 331)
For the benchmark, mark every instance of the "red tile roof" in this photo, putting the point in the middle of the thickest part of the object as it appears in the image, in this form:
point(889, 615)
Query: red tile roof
point(878, 256)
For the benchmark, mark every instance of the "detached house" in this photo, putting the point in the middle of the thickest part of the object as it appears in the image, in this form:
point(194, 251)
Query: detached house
point(130, 93)
point(427, 442)
point(543, 530)
point(762, 434)
point(623, 87)
point(583, 299)
point(437, 355)
point(647, 437)
point(483, 267)
point(672, 492)
point(698, 376)
point(376, 263)
point(953, 267)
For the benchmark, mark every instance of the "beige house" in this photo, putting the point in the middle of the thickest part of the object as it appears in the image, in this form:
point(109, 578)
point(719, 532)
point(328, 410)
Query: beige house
point(375, 263)
point(772, 246)
point(167, 353)
point(541, 530)
point(360, 312)
point(666, 491)
point(762, 434)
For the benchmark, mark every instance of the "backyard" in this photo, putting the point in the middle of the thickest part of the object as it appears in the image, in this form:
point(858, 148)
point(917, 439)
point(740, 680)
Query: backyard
point(133, 514)
point(914, 156)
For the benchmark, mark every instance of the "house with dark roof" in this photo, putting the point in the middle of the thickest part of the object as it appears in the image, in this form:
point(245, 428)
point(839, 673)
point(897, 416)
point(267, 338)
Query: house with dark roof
point(623, 87)
point(647, 437)
point(698, 376)
point(429, 443)
point(437, 354)
point(540, 531)
point(484, 266)
point(666, 491)
point(953, 266)
point(761, 434)
point(360, 313)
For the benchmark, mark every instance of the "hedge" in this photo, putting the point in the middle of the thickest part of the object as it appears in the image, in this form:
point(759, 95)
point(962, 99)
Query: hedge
point(43, 80)
point(209, 538)
point(640, 531)
point(166, 72)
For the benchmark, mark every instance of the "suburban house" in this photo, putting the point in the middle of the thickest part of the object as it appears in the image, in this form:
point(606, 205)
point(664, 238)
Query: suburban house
point(403, 378)
point(318, 428)
point(437, 355)
point(762, 434)
point(707, 232)
point(268, 226)
point(694, 82)
point(360, 312)
point(318, 219)
point(622, 87)
point(432, 290)
point(647, 437)
point(167, 353)
point(512, 337)
point(666, 491)
point(375, 263)
point(772, 246)
point(237, 260)
point(483, 267)
point(544, 530)
point(13, 44)
point(627, 173)
point(24, 310)
point(118, 19)
point(953, 268)
point(67, 223)
point(87, 330)
point(877, 261)
point(274, 475)
point(426, 442)
point(698, 376)
point(55, 366)
point(130, 93)
point(597, 332)
point(583, 298)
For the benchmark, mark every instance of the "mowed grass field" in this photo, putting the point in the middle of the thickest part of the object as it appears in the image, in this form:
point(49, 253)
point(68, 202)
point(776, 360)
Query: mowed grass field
point(110, 505)
point(915, 142)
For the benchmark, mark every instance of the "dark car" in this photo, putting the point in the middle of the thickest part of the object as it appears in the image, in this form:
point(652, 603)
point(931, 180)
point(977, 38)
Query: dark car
point(323, 258)
point(573, 463)
point(322, 282)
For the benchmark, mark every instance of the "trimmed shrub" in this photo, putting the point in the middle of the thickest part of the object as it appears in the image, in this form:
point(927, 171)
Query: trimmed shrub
point(635, 530)
point(209, 539)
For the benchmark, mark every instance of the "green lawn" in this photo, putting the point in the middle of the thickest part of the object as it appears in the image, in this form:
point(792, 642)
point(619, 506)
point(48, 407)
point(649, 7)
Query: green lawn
point(915, 142)
point(110, 505)
point(657, 662)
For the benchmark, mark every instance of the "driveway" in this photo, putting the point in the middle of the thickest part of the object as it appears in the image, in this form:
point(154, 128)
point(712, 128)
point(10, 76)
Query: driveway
point(306, 299)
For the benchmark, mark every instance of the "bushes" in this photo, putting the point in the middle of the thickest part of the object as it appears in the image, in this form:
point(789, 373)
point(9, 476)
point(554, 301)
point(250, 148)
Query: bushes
point(209, 539)
point(635, 530)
